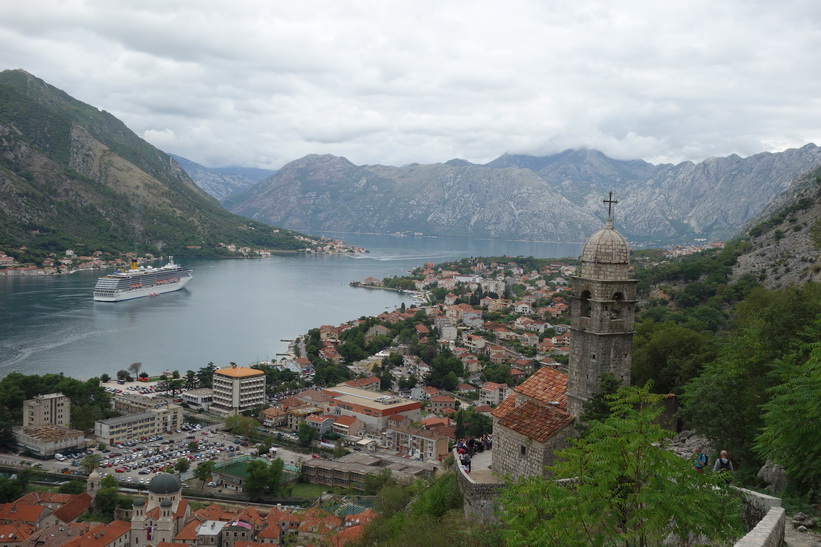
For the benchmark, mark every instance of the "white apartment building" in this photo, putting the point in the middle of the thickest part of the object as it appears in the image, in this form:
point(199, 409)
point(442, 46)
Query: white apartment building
point(237, 389)
point(156, 421)
point(54, 409)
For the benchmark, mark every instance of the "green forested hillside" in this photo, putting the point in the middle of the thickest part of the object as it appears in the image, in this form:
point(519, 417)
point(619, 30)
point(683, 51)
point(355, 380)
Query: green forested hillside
point(72, 176)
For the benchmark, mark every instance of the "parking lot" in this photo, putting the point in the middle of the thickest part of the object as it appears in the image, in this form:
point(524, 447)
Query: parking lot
point(135, 462)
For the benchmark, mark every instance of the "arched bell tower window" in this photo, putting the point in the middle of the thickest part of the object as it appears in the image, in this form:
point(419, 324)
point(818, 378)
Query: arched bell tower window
point(618, 306)
point(584, 301)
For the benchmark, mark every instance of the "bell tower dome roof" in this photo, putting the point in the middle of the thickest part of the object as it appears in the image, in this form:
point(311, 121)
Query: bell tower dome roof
point(607, 246)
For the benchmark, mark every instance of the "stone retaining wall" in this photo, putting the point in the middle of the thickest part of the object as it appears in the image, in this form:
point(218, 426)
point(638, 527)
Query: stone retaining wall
point(480, 500)
point(767, 530)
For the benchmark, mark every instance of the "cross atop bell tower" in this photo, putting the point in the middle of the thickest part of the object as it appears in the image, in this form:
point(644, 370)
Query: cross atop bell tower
point(610, 203)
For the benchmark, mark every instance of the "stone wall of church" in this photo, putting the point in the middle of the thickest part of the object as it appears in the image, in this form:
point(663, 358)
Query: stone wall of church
point(597, 270)
point(515, 455)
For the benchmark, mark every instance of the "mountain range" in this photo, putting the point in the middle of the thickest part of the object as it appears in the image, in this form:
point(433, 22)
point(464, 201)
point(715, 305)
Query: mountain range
point(75, 177)
point(551, 198)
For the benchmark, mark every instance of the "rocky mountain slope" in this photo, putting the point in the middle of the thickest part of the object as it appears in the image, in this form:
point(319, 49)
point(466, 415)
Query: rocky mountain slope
point(318, 193)
point(785, 239)
point(526, 197)
point(221, 182)
point(72, 176)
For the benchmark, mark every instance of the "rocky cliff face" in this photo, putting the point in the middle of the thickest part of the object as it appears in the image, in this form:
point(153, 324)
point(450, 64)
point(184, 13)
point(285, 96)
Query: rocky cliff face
point(329, 193)
point(785, 240)
point(554, 198)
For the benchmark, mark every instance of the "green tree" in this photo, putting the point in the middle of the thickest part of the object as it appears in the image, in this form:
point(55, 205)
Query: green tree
point(241, 425)
point(104, 378)
point(792, 420)
point(105, 501)
point(6, 428)
point(122, 375)
point(182, 465)
point(459, 432)
point(626, 488)
point(670, 355)
point(204, 470)
point(205, 375)
point(597, 408)
point(306, 434)
point(91, 462)
point(72, 487)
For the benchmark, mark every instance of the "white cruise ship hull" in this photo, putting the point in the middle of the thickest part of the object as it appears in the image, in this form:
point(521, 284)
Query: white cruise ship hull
point(140, 282)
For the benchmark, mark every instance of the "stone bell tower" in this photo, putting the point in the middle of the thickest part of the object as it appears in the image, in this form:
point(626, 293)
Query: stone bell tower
point(603, 312)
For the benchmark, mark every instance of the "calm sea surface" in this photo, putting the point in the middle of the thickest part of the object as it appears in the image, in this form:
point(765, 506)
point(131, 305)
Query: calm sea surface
point(232, 311)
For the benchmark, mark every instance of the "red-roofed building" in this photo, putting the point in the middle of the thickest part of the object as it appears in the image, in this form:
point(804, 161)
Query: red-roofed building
point(371, 383)
point(322, 424)
point(530, 424)
point(75, 507)
point(350, 426)
point(492, 393)
point(33, 515)
point(115, 534)
point(439, 402)
point(16, 533)
point(318, 526)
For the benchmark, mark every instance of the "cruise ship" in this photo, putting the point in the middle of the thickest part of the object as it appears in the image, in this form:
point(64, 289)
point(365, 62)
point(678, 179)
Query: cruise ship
point(143, 281)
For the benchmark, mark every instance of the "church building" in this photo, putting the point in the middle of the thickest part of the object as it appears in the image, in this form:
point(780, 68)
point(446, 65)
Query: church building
point(539, 416)
point(161, 517)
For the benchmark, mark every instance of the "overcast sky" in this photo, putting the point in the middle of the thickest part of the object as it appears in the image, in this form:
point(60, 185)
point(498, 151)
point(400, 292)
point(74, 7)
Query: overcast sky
point(261, 83)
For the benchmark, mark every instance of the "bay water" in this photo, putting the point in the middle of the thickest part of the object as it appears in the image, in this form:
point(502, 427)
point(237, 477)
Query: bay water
point(233, 310)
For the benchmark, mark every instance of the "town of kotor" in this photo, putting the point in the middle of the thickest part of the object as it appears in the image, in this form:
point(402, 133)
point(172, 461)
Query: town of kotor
point(406, 274)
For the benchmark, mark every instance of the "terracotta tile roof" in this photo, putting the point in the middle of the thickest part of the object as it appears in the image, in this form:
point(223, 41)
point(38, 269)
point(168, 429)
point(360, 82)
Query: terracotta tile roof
point(181, 508)
point(290, 402)
point(74, 508)
point(271, 531)
point(446, 431)
point(505, 406)
point(536, 420)
point(349, 534)
point(361, 518)
point(212, 512)
point(101, 535)
point(434, 421)
point(319, 521)
point(273, 412)
point(546, 385)
point(16, 533)
point(279, 515)
point(56, 535)
point(238, 372)
point(22, 512)
point(173, 544)
point(189, 531)
point(441, 399)
point(251, 515)
point(41, 498)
